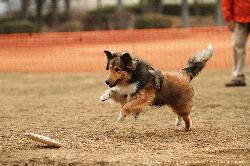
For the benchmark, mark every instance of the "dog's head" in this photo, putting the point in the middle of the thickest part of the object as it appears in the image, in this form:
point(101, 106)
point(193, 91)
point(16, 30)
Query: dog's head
point(119, 67)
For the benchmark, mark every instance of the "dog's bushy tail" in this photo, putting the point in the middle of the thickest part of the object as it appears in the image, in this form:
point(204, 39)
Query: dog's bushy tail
point(198, 61)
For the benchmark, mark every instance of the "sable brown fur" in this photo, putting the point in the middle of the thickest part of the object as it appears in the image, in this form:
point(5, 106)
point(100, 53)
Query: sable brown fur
point(177, 92)
point(135, 84)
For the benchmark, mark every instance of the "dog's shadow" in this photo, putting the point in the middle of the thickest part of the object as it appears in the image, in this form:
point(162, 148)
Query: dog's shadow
point(38, 146)
point(134, 135)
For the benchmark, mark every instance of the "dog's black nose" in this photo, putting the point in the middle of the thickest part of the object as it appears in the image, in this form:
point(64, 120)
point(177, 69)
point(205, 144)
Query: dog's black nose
point(107, 82)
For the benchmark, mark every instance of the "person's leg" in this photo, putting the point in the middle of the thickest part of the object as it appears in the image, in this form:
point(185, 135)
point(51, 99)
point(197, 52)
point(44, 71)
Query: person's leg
point(240, 35)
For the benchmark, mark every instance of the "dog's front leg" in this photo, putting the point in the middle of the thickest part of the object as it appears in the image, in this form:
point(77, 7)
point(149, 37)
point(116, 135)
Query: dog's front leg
point(121, 117)
point(135, 106)
point(108, 93)
point(123, 114)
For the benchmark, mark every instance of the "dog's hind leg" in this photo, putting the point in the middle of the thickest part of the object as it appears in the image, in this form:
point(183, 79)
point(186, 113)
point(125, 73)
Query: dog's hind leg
point(178, 120)
point(183, 113)
point(188, 122)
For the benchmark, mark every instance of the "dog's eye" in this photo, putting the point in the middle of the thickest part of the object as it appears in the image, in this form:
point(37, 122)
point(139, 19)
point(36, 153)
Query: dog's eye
point(117, 69)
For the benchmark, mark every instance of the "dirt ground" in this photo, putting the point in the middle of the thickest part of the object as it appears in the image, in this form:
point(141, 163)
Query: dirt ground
point(66, 107)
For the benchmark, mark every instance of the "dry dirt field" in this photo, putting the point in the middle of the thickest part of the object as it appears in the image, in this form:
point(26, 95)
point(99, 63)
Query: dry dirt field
point(66, 107)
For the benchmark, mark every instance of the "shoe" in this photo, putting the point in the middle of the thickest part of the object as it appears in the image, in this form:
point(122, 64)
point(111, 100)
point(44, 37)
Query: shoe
point(238, 81)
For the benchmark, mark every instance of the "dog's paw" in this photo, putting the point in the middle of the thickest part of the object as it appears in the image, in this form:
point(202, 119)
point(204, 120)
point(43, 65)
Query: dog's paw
point(105, 96)
point(178, 121)
point(187, 129)
point(121, 117)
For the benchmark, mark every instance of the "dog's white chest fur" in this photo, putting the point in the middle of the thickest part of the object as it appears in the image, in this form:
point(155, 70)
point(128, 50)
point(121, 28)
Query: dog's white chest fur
point(121, 90)
point(129, 89)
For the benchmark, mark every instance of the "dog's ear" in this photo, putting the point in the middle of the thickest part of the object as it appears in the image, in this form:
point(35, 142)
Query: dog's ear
point(126, 59)
point(109, 55)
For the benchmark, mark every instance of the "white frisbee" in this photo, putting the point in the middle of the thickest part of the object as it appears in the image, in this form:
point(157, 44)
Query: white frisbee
point(43, 139)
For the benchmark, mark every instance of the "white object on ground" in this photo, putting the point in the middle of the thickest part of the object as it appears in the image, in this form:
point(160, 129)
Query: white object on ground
point(42, 139)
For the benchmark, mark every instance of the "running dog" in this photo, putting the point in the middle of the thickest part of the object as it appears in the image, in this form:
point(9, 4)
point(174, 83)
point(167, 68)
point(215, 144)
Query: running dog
point(135, 84)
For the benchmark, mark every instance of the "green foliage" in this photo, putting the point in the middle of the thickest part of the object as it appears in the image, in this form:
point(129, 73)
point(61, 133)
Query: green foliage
point(5, 19)
point(95, 21)
point(17, 26)
point(152, 21)
point(175, 9)
point(106, 18)
point(136, 9)
point(98, 19)
point(70, 26)
point(104, 10)
point(1, 29)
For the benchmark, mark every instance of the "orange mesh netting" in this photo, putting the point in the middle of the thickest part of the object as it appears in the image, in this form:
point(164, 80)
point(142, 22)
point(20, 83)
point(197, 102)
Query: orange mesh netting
point(166, 49)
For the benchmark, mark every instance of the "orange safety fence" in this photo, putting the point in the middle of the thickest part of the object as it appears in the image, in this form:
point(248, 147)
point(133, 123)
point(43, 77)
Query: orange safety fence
point(166, 49)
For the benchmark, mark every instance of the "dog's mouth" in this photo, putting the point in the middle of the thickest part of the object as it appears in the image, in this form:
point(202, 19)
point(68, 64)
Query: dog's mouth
point(114, 84)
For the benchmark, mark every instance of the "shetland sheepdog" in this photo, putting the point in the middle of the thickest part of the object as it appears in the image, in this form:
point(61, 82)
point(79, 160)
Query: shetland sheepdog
point(136, 84)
